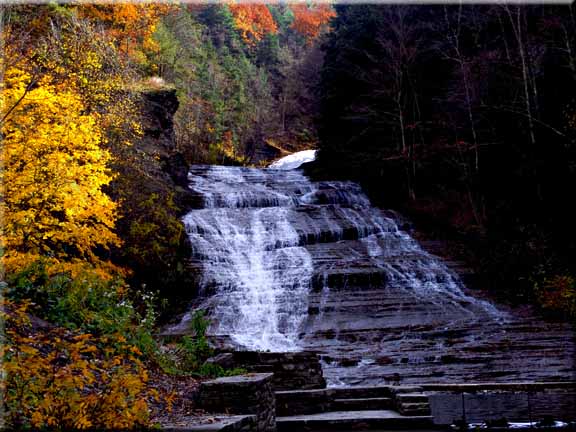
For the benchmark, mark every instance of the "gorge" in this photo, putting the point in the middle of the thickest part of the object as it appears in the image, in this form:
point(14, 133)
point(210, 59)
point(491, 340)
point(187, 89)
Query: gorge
point(413, 269)
point(289, 264)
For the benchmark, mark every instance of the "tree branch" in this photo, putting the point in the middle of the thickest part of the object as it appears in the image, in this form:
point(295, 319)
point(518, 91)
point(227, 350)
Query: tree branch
point(26, 91)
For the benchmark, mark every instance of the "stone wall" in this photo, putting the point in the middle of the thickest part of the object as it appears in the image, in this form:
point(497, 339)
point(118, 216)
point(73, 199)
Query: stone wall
point(242, 394)
point(493, 401)
point(292, 371)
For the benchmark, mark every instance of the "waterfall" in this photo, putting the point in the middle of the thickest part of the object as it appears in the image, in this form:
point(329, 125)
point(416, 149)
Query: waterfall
point(290, 264)
point(255, 273)
point(258, 240)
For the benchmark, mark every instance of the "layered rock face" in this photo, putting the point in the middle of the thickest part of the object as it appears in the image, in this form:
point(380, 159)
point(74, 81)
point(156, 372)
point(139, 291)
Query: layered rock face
point(289, 264)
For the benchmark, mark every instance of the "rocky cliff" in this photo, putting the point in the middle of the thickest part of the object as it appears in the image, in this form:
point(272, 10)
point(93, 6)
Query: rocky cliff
point(151, 187)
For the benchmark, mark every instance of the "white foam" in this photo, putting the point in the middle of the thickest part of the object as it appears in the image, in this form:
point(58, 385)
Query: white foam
point(294, 160)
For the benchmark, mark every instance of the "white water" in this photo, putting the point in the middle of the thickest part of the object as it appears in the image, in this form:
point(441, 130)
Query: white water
point(261, 274)
point(251, 257)
point(294, 160)
point(259, 240)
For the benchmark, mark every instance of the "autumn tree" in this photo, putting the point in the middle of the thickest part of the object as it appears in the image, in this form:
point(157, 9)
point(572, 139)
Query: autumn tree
point(130, 25)
point(311, 19)
point(54, 172)
point(78, 53)
point(253, 21)
point(66, 110)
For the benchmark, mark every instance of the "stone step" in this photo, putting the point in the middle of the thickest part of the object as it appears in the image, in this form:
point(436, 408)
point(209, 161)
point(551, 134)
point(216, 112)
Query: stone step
point(304, 402)
point(292, 371)
point(362, 404)
point(412, 403)
point(412, 397)
point(362, 392)
point(213, 423)
point(260, 368)
point(414, 409)
point(406, 390)
point(352, 420)
point(301, 402)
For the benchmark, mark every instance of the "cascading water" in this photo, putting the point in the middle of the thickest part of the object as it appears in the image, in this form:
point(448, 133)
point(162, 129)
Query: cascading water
point(291, 264)
point(251, 257)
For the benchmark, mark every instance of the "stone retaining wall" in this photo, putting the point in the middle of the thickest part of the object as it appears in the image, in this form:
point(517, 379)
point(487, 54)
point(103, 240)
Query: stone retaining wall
point(448, 407)
point(533, 386)
point(292, 371)
point(242, 394)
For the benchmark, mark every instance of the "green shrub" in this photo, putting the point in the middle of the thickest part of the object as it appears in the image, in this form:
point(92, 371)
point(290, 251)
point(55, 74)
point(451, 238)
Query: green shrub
point(188, 357)
point(87, 301)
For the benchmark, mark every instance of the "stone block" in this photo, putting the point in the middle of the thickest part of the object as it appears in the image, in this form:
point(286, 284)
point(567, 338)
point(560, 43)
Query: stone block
point(242, 394)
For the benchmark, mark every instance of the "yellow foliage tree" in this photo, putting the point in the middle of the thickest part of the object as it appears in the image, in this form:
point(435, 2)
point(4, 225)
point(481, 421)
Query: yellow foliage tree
point(78, 53)
point(54, 171)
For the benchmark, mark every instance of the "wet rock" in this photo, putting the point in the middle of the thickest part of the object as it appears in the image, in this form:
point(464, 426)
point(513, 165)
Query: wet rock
point(384, 360)
point(449, 359)
point(349, 362)
point(327, 359)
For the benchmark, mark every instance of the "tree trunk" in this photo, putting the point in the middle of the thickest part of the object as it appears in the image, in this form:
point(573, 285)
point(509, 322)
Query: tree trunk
point(517, 28)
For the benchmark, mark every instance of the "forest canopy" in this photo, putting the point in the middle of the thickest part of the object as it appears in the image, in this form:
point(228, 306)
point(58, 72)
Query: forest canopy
point(462, 117)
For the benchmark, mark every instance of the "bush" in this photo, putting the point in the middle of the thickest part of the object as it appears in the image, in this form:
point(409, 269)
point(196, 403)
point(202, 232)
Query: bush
point(59, 378)
point(558, 294)
point(188, 357)
point(82, 298)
